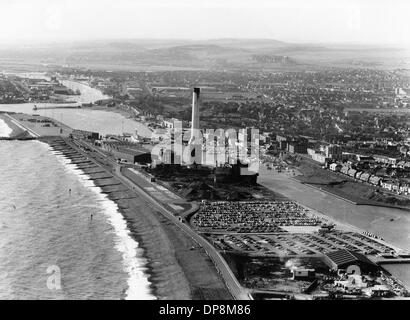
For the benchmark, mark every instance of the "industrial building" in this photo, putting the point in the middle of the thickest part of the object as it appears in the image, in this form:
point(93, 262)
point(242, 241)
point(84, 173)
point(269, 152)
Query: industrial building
point(303, 274)
point(343, 259)
point(127, 152)
point(82, 134)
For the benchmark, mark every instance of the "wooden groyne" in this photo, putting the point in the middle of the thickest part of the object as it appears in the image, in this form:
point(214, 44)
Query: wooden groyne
point(102, 177)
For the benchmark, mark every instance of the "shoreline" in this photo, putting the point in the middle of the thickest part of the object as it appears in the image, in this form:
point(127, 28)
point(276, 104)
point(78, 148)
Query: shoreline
point(139, 257)
point(5, 130)
point(15, 131)
point(174, 269)
point(132, 226)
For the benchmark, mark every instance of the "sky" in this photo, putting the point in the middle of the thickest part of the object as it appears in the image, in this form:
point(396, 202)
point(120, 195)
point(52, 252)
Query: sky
point(309, 21)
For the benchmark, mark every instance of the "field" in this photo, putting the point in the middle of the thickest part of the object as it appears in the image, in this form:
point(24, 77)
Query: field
point(345, 187)
point(314, 174)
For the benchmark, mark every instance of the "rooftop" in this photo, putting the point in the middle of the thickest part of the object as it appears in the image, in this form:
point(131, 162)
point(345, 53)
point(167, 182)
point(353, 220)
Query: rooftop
point(341, 257)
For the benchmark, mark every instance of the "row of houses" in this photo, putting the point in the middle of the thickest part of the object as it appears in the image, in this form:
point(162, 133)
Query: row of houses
point(382, 159)
point(392, 185)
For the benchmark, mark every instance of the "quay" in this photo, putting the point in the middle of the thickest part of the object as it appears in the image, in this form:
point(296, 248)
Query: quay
point(392, 261)
point(34, 126)
point(70, 106)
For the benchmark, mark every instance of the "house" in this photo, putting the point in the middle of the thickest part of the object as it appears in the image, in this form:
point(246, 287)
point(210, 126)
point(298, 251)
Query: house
point(310, 151)
point(387, 184)
point(352, 172)
point(375, 180)
point(396, 187)
point(385, 159)
point(344, 169)
point(404, 188)
point(365, 177)
point(358, 174)
point(319, 157)
point(335, 167)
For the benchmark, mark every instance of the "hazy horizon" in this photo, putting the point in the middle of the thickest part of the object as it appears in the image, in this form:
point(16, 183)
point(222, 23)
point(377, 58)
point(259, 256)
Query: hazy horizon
point(366, 22)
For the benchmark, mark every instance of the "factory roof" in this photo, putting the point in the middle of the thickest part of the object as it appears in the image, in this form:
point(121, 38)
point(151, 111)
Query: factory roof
point(343, 257)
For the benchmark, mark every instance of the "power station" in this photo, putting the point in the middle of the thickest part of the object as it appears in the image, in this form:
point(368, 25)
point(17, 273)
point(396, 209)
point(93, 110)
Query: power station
point(195, 117)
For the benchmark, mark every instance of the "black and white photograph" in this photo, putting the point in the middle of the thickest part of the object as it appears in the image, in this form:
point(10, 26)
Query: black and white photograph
point(229, 152)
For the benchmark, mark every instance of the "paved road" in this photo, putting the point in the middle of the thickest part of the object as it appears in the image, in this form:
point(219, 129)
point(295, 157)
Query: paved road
point(237, 291)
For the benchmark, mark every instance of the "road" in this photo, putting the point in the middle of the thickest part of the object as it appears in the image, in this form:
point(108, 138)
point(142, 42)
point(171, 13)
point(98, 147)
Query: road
point(233, 285)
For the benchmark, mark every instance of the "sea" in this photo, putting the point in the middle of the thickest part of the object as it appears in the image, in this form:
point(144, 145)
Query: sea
point(60, 236)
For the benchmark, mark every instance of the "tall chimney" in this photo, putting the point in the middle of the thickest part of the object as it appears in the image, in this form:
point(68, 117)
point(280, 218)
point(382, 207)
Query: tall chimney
point(195, 114)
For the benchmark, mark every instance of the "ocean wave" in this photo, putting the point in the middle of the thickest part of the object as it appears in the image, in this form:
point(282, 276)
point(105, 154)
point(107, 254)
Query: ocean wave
point(5, 130)
point(139, 287)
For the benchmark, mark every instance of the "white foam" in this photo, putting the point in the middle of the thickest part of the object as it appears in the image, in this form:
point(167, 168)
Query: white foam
point(134, 262)
point(5, 130)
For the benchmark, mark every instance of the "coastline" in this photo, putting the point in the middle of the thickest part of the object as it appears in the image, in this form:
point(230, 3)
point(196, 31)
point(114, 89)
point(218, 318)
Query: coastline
point(174, 269)
point(133, 260)
point(5, 130)
point(138, 228)
point(14, 130)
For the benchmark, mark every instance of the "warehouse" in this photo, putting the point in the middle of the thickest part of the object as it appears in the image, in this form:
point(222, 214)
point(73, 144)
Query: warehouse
point(82, 134)
point(342, 259)
point(132, 156)
point(127, 152)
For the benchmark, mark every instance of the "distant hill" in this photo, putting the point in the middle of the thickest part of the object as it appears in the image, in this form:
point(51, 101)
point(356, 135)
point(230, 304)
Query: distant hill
point(227, 53)
point(252, 44)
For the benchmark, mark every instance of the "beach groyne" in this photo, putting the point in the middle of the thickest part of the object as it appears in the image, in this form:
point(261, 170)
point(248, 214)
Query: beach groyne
point(177, 267)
